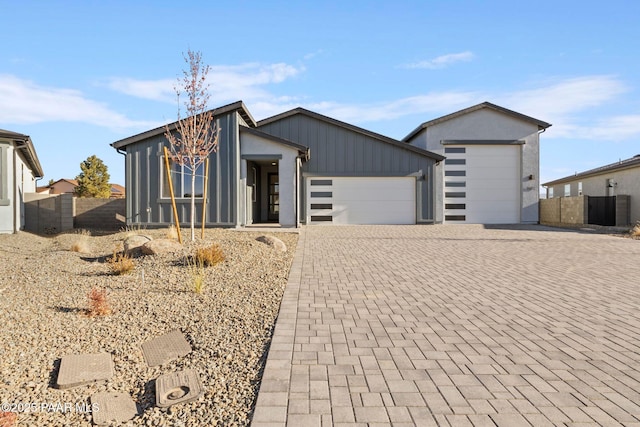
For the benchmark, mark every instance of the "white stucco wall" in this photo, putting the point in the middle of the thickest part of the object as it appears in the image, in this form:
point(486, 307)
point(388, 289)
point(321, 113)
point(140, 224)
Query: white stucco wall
point(487, 124)
point(287, 167)
point(13, 183)
point(6, 188)
point(627, 183)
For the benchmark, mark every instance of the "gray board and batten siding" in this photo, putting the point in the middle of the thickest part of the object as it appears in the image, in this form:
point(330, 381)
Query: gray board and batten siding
point(338, 149)
point(145, 178)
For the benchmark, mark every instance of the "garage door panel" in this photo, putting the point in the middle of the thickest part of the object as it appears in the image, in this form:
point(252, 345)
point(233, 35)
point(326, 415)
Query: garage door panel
point(492, 185)
point(365, 200)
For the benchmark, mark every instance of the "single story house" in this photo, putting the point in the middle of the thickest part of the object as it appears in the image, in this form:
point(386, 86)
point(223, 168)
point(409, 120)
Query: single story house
point(68, 186)
point(301, 167)
point(621, 178)
point(19, 169)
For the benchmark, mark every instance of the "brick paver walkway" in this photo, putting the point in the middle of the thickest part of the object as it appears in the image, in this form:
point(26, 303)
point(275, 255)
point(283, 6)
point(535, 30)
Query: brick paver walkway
point(456, 325)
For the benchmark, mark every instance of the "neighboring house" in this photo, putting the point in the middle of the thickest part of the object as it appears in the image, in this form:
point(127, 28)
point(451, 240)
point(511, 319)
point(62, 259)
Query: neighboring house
point(616, 179)
point(64, 186)
point(19, 169)
point(491, 174)
point(303, 167)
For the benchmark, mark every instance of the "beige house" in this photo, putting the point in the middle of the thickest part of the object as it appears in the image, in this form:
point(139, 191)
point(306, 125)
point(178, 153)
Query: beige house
point(617, 179)
point(65, 186)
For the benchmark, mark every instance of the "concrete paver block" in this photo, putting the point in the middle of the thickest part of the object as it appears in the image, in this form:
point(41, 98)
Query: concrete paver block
point(165, 348)
point(112, 407)
point(80, 369)
point(178, 387)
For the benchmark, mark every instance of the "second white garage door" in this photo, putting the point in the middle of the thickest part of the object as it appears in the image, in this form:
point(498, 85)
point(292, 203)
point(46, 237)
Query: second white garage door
point(482, 184)
point(361, 200)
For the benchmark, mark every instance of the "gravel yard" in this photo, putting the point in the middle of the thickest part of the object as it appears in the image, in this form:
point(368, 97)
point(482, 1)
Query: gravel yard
point(43, 302)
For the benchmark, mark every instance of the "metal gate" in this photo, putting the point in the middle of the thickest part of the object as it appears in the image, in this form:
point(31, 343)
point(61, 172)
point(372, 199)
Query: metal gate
point(602, 210)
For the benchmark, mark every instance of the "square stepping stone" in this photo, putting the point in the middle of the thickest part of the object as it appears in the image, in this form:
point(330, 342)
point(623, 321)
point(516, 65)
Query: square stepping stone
point(112, 407)
point(178, 387)
point(164, 348)
point(80, 369)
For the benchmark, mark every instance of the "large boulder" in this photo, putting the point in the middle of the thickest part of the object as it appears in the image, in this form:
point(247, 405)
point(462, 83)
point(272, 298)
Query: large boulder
point(274, 242)
point(161, 246)
point(133, 244)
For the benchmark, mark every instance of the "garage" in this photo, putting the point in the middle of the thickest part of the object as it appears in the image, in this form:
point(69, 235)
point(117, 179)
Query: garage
point(482, 184)
point(361, 200)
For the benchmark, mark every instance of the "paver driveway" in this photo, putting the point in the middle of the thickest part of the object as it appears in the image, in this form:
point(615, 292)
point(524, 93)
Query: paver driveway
point(456, 325)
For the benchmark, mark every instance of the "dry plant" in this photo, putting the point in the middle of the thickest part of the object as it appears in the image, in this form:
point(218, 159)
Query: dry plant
point(132, 230)
point(80, 243)
point(172, 232)
point(120, 263)
point(8, 419)
point(210, 255)
point(635, 231)
point(196, 274)
point(98, 304)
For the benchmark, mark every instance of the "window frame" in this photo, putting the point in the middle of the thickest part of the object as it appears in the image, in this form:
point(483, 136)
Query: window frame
point(185, 171)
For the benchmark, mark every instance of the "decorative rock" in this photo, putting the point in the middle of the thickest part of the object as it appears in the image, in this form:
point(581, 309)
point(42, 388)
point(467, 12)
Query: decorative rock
point(134, 243)
point(274, 242)
point(160, 246)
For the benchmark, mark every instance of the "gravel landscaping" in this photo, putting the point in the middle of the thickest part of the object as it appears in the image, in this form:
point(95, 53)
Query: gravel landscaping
point(43, 303)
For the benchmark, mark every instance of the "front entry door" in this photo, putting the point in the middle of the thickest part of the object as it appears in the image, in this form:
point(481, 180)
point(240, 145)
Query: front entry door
point(274, 197)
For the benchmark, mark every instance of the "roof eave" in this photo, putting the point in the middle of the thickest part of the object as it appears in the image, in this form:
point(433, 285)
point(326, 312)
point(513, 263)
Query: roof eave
point(625, 164)
point(237, 106)
point(541, 124)
point(25, 145)
point(353, 128)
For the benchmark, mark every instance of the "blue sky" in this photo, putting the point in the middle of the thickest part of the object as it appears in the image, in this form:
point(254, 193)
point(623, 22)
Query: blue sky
point(78, 75)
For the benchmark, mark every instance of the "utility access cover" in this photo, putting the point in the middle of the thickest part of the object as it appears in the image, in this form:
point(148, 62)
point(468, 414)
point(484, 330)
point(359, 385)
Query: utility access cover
point(112, 407)
point(178, 387)
point(80, 369)
point(164, 348)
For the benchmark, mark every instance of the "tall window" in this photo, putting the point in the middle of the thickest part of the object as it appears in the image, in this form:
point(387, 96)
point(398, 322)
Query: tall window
point(580, 188)
point(550, 193)
point(567, 190)
point(181, 177)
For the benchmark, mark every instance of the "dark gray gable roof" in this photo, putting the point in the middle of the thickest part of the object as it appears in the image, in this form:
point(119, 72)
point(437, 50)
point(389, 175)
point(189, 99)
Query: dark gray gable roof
point(25, 145)
point(237, 106)
point(303, 149)
point(541, 125)
point(352, 128)
point(622, 164)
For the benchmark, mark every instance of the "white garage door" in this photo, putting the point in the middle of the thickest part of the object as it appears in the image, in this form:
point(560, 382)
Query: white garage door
point(362, 200)
point(482, 184)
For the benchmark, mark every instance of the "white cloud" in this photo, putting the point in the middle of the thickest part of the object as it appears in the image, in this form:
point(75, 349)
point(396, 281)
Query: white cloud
point(432, 103)
point(228, 83)
point(571, 104)
point(441, 61)
point(24, 102)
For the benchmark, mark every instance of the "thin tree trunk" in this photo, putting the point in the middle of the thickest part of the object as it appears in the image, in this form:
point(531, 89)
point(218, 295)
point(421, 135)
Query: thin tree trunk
point(193, 204)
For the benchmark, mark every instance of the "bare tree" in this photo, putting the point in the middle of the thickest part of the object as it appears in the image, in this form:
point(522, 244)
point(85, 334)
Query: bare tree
point(196, 136)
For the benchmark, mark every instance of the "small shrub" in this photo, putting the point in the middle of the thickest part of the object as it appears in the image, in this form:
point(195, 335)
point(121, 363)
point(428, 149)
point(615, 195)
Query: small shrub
point(209, 256)
point(635, 231)
point(172, 232)
point(80, 244)
point(98, 304)
point(120, 263)
point(196, 274)
point(8, 419)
